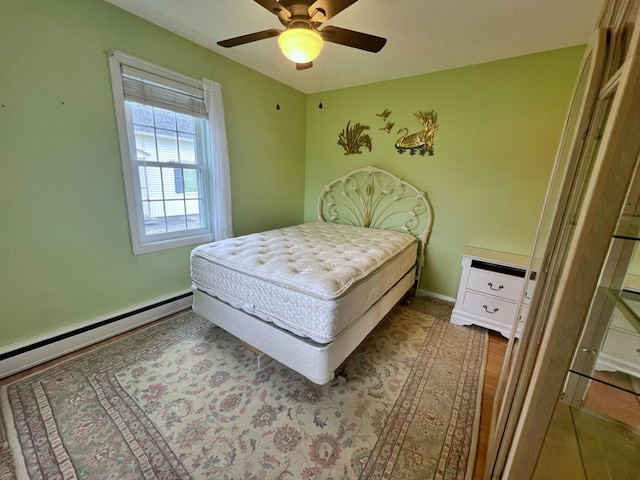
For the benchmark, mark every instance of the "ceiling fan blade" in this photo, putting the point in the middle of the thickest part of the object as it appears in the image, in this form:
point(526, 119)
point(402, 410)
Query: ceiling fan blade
point(304, 66)
point(354, 39)
point(274, 7)
point(325, 9)
point(251, 37)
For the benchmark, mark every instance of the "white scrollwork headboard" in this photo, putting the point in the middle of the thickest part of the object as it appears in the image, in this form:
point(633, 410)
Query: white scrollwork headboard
point(371, 197)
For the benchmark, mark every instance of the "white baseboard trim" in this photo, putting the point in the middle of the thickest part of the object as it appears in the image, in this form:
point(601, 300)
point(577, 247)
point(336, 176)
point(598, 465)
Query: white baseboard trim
point(18, 357)
point(425, 293)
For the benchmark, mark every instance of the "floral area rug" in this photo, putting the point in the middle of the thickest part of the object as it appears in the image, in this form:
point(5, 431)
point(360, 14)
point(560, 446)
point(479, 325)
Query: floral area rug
point(183, 399)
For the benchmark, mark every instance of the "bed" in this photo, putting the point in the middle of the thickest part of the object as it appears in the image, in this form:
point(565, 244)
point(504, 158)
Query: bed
point(309, 294)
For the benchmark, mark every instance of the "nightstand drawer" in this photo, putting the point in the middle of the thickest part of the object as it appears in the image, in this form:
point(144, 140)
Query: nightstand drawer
point(492, 283)
point(493, 308)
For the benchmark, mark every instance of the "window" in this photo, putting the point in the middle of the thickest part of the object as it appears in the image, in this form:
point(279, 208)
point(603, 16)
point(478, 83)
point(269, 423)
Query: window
point(166, 151)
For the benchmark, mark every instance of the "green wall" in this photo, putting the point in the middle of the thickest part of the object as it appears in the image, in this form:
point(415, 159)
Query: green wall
point(500, 124)
point(65, 252)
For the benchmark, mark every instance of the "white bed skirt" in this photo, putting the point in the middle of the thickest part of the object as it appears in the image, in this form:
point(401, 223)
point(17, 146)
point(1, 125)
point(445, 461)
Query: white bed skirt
point(317, 362)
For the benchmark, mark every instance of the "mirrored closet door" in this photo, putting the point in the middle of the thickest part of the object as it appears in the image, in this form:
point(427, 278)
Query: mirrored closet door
point(580, 331)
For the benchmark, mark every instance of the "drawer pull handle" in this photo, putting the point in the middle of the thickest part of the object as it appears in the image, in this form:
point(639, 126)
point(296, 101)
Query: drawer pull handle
point(486, 309)
point(500, 287)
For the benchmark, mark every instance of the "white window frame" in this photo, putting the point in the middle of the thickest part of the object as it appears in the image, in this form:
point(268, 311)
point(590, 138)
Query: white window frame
point(140, 240)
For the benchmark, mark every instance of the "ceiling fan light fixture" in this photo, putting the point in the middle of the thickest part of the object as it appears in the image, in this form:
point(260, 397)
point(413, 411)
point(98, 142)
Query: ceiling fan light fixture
point(300, 45)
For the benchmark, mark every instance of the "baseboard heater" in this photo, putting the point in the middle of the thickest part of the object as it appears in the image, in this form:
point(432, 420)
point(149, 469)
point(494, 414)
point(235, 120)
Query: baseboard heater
point(17, 358)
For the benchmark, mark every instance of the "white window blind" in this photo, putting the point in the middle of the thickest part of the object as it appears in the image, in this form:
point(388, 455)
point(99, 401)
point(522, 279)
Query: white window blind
point(156, 91)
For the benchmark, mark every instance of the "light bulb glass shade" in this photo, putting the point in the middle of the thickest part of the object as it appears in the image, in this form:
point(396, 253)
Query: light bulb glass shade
point(300, 45)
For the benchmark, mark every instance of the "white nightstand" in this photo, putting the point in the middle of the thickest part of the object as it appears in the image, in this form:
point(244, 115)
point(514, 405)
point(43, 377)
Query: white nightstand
point(490, 289)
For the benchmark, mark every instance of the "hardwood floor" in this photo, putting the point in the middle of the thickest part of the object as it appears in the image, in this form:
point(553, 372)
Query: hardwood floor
point(495, 357)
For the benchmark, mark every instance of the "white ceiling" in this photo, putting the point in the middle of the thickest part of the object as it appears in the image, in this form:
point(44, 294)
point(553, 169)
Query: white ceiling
point(423, 36)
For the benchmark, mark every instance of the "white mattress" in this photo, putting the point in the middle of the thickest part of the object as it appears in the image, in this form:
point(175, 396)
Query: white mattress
point(313, 279)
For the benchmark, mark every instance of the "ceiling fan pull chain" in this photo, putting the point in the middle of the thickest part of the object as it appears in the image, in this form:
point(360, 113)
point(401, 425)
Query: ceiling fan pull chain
point(278, 76)
point(321, 77)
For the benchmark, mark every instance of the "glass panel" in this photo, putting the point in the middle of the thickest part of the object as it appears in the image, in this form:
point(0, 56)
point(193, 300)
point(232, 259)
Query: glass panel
point(167, 141)
point(154, 222)
point(194, 219)
point(186, 145)
point(164, 119)
point(560, 456)
point(144, 131)
point(174, 208)
point(631, 300)
point(609, 352)
point(615, 395)
point(176, 215)
point(142, 115)
point(190, 178)
point(146, 149)
point(583, 444)
point(150, 183)
point(184, 123)
point(178, 180)
point(632, 278)
point(609, 448)
point(169, 184)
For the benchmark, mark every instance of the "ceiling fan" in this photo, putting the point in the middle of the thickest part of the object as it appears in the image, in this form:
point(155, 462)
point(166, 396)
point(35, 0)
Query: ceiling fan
point(301, 41)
